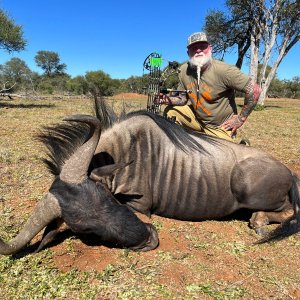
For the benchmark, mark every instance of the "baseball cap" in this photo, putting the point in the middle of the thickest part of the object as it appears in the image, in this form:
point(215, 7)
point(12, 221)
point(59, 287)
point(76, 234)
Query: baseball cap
point(197, 37)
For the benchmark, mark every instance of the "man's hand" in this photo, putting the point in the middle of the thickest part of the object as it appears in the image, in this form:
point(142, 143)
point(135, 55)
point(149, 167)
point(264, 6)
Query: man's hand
point(162, 99)
point(171, 100)
point(233, 124)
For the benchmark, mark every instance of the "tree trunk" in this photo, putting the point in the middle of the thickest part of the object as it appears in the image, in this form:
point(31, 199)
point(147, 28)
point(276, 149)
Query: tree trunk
point(254, 57)
point(272, 73)
point(242, 50)
point(270, 33)
point(286, 45)
point(11, 96)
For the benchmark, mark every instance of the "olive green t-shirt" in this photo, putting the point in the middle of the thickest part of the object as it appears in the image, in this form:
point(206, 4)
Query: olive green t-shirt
point(214, 103)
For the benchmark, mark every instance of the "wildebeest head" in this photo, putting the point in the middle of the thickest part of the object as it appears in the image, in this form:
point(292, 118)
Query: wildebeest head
point(80, 200)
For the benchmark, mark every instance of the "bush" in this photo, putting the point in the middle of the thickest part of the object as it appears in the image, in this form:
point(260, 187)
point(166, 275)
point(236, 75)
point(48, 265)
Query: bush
point(259, 107)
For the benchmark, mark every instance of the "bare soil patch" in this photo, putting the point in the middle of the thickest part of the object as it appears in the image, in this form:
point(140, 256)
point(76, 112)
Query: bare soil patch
point(128, 96)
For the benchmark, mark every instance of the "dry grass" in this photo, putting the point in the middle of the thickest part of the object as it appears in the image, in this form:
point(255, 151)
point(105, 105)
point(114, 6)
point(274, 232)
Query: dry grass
point(207, 260)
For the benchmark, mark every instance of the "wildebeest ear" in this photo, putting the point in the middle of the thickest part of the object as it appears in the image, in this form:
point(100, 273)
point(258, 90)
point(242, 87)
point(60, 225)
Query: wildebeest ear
point(107, 170)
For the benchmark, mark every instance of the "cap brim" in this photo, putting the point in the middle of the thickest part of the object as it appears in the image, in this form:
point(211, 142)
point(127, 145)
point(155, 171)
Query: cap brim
point(197, 42)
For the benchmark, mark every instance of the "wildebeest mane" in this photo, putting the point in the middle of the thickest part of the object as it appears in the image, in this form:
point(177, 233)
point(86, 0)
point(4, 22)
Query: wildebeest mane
point(61, 142)
point(179, 136)
point(104, 113)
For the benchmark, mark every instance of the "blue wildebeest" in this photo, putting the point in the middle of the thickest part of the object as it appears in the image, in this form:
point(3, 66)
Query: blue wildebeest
point(104, 171)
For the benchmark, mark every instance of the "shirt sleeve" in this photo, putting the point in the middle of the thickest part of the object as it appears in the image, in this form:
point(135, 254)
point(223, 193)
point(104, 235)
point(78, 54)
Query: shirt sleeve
point(180, 85)
point(235, 79)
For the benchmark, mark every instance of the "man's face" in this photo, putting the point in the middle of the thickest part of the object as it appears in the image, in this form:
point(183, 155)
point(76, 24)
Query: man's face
point(199, 49)
point(200, 54)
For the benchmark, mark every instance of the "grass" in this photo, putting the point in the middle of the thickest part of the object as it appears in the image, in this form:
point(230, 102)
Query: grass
point(207, 260)
point(35, 277)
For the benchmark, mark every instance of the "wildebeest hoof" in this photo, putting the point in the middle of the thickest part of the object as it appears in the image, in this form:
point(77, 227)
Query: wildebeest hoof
point(245, 141)
point(152, 241)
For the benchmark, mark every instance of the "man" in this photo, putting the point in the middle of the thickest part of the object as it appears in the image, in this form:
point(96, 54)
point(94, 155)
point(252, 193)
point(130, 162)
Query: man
point(210, 86)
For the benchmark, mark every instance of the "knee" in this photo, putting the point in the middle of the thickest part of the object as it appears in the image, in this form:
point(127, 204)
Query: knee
point(171, 113)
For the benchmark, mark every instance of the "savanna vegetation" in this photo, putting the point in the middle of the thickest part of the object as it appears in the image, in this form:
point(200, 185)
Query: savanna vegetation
point(261, 32)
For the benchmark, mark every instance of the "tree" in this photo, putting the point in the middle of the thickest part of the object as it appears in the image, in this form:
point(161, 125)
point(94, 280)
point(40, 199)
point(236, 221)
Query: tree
point(49, 61)
point(292, 87)
point(100, 83)
point(14, 69)
point(268, 29)
point(11, 35)
point(78, 85)
point(16, 73)
point(11, 39)
point(227, 31)
point(53, 84)
point(135, 84)
point(279, 32)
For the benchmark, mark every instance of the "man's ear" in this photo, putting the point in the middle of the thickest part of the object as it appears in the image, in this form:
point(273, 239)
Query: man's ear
point(108, 170)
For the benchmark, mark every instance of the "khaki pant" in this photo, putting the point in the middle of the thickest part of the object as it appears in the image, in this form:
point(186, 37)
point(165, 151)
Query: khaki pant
point(185, 116)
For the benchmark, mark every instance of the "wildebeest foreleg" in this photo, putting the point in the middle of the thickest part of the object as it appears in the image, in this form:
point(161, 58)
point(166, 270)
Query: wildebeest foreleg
point(261, 218)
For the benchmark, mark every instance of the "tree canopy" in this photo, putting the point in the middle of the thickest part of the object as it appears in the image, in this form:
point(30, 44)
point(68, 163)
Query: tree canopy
point(266, 30)
point(262, 31)
point(11, 34)
point(49, 61)
point(100, 83)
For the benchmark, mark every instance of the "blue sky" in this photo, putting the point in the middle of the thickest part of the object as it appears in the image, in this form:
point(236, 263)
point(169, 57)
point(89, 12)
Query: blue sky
point(116, 36)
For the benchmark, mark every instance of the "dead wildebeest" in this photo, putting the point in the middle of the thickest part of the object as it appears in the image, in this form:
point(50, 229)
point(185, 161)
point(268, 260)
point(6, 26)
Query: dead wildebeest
point(104, 171)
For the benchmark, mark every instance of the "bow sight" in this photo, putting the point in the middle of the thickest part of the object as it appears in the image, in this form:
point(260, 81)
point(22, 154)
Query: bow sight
point(157, 79)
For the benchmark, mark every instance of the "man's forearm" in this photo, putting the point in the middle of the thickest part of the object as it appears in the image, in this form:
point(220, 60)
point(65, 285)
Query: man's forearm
point(252, 92)
point(179, 100)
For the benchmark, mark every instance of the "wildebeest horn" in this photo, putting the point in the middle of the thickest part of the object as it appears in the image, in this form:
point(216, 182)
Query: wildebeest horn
point(76, 167)
point(46, 211)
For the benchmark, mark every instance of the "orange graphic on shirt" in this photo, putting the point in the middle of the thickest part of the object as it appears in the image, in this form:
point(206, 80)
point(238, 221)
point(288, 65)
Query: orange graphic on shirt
point(191, 85)
point(198, 102)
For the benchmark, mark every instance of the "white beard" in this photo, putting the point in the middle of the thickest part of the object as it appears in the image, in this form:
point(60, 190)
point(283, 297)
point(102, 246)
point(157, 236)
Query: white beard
point(201, 61)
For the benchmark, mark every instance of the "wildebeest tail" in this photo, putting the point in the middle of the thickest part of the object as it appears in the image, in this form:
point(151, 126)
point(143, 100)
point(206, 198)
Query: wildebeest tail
point(292, 224)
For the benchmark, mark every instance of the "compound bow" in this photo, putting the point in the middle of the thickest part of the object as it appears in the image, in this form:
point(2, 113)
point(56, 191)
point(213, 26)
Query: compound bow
point(157, 79)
